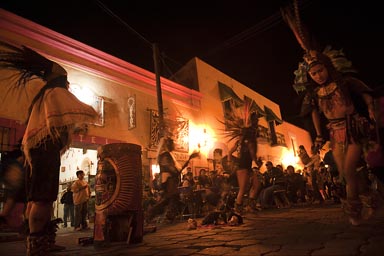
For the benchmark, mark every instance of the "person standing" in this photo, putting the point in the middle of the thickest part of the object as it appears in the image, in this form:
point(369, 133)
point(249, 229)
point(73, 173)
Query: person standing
point(330, 161)
point(170, 179)
point(67, 200)
point(81, 194)
point(331, 91)
point(170, 171)
point(314, 169)
point(243, 128)
point(52, 115)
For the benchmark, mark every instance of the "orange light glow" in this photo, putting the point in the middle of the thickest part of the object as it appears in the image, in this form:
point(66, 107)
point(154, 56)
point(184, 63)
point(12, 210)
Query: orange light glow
point(288, 158)
point(201, 138)
point(84, 94)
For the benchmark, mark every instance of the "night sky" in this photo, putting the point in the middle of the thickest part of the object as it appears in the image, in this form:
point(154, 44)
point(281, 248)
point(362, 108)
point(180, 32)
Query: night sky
point(246, 40)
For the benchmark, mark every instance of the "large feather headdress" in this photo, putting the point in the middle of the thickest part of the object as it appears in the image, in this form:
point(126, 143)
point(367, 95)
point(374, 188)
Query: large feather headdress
point(53, 108)
point(240, 121)
point(334, 59)
point(30, 64)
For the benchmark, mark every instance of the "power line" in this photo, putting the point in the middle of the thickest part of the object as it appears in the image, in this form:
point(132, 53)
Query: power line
point(113, 15)
point(162, 56)
point(261, 27)
point(257, 29)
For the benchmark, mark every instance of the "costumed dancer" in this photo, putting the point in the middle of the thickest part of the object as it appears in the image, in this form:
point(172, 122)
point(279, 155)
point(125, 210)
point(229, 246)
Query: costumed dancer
point(170, 171)
point(242, 127)
point(325, 78)
point(52, 117)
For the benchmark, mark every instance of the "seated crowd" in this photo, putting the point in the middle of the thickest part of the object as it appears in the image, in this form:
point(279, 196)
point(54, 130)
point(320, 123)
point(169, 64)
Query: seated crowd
point(274, 188)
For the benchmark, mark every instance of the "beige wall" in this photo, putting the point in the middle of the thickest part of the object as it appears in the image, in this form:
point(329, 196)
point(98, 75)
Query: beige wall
point(207, 82)
point(115, 80)
point(106, 76)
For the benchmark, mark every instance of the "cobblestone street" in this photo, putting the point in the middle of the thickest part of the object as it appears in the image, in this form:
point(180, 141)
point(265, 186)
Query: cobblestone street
point(307, 230)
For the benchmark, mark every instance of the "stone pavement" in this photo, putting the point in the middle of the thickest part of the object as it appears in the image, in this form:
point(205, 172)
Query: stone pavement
point(306, 230)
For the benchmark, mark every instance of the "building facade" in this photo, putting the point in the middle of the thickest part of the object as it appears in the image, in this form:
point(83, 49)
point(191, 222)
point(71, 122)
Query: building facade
point(126, 98)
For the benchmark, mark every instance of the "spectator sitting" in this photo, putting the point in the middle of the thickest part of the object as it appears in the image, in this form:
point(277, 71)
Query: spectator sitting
point(186, 187)
point(156, 183)
point(295, 185)
point(274, 180)
point(203, 179)
point(188, 180)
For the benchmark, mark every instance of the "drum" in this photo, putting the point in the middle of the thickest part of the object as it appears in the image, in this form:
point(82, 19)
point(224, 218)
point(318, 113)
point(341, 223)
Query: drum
point(118, 193)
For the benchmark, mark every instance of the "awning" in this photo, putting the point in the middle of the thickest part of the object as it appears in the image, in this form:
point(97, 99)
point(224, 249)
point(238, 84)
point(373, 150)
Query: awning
point(255, 108)
point(271, 116)
point(226, 93)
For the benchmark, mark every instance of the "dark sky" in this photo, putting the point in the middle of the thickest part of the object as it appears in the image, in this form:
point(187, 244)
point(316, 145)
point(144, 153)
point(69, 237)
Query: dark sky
point(246, 40)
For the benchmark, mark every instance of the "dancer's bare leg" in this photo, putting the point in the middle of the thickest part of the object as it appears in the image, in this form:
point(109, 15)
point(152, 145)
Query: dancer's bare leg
point(352, 157)
point(347, 160)
point(242, 179)
point(254, 192)
point(39, 215)
point(256, 187)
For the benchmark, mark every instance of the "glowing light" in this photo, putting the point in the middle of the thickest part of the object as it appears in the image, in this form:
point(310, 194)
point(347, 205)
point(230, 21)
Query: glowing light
point(201, 138)
point(288, 158)
point(84, 94)
point(155, 169)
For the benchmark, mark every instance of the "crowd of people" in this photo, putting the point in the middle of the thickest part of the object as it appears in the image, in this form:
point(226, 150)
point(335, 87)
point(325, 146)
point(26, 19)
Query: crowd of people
point(268, 186)
point(333, 97)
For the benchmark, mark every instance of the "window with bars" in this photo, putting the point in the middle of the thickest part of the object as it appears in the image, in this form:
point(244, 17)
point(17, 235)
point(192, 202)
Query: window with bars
point(7, 138)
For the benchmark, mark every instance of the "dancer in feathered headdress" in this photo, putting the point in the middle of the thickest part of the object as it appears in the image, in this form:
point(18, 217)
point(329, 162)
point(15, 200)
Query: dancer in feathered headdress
point(242, 127)
point(52, 115)
point(346, 103)
point(170, 172)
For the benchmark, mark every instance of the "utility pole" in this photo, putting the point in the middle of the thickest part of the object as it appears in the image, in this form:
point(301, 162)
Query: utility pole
point(158, 90)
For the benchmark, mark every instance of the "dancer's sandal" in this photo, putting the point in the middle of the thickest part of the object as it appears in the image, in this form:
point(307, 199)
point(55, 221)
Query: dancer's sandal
point(352, 208)
point(239, 208)
point(370, 205)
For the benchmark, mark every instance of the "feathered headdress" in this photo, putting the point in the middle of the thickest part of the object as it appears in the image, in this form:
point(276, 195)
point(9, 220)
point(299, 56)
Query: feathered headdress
point(53, 108)
point(30, 64)
point(312, 55)
point(241, 121)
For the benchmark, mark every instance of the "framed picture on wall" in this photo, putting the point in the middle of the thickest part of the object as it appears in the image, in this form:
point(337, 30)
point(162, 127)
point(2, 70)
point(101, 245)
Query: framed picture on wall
point(177, 126)
point(98, 105)
point(88, 97)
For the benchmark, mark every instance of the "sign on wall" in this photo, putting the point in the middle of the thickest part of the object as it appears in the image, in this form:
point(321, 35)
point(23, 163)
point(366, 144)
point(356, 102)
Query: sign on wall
point(98, 105)
point(131, 102)
point(178, 127)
